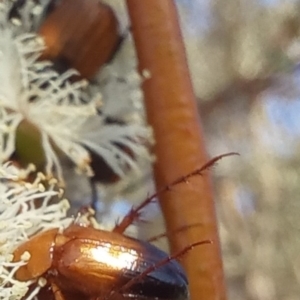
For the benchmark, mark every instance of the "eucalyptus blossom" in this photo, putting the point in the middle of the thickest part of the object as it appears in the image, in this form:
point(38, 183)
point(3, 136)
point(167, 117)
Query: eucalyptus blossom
point(25, 210)
point(61, 115)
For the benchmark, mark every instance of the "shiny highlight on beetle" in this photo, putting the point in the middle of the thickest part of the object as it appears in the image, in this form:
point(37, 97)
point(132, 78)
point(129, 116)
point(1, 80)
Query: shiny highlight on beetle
point(118, 259)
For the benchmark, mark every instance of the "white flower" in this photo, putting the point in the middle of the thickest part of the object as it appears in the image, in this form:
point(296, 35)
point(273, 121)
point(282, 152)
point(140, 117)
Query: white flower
point(31, 92)
point(21, 218)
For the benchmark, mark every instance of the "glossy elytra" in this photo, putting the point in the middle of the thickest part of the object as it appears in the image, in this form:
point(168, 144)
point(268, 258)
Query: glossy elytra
point(99, 263)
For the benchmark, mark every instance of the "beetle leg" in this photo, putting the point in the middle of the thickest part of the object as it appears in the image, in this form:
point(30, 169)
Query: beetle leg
point(154, 267)
point(168, 234)
point(58, 295)
point(94, 195)
point(135, 213)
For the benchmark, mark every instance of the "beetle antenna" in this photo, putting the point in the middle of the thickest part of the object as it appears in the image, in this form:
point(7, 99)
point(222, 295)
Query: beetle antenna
point(134, 213)
point(154, 267)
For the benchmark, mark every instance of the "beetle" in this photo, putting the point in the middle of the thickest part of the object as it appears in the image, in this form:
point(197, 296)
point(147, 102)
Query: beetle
point(82, 262)
point(88, 262)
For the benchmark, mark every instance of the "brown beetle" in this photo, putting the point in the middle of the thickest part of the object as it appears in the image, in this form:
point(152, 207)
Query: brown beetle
point(86, 263)
point(80, 34)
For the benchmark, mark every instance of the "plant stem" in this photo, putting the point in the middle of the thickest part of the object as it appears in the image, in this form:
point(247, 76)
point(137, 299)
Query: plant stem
point(180, 147)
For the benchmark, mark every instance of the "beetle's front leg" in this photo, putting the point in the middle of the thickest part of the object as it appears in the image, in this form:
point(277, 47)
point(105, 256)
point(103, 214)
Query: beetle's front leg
point(58, 295)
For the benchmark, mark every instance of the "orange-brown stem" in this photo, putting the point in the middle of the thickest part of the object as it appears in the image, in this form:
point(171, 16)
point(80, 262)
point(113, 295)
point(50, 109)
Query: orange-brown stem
point(180, 148)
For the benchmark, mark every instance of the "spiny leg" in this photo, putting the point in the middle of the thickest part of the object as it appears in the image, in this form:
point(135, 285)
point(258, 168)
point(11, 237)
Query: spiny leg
point(167, 234)
point(135, 212)
point(154, 267)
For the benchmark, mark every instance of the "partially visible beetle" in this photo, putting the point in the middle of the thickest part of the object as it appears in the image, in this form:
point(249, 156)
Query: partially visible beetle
point(86, 263)
point(97, 263)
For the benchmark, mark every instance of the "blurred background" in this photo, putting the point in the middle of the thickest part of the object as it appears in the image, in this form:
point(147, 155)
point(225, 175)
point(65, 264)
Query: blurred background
point(244, 58)
point(244, 61)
